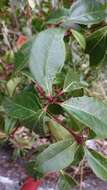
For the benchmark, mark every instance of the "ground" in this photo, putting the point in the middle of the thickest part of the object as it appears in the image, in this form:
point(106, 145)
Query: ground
point(13, 173)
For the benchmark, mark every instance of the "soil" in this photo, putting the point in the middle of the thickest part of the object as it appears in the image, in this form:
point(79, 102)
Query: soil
point(93, 183)
point(13, 173)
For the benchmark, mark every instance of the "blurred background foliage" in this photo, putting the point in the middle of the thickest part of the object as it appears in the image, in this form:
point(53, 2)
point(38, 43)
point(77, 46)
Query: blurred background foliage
point(20, 20)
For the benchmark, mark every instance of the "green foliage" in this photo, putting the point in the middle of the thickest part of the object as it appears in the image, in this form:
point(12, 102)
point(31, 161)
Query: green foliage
point(80, 38)
point(72, 81)
point(47, 88)
point(97, 45)
point(57, 156)
point(81, 12)
point(87, 12)
point(98, 163)
point(90, 112)
point(66, 182)
point(57, 131)
point(22, 106)
point(47, 57)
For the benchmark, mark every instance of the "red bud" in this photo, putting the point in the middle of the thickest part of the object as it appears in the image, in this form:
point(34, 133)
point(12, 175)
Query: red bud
point(21, 40)
point(31, 184)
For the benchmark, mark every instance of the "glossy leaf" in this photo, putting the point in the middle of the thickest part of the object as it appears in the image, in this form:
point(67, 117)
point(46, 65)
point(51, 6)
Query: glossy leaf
point(47, 57)
point(55, 109)
point(74, 124)
point(12, 84)
point(72, 81)
point(66, 182)
point(89, 111)
point(23, 106)
point(98, 163)
point(79, 155)
point(81, 12)
point(57, 131)
point(87, 12)
point(57, 156)
point(80, 38)
point(97, 45)
point(58, 15)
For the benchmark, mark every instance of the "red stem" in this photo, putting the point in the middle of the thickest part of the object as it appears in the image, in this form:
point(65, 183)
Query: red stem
point(50, 99)
point(40, 90)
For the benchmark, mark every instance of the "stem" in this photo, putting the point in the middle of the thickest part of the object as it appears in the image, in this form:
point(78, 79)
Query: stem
point(81, 174)
point(54, 99)
point(51, 99)
point(40, 90)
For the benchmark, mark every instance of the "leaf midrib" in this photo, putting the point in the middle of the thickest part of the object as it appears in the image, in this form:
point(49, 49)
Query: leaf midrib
point(102, 37)
point(87, 14)
point(55, 155)
point(96, 161)
point(50, 160)
point(46, 74)
point(25, 108)
point(92, 115)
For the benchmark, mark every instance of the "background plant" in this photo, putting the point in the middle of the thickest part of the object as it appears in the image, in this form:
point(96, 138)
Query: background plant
point(45, 85)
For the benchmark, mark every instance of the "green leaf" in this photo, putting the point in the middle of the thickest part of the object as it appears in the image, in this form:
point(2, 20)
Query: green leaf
point(58, 15)
point(87, 12)
point(24, 106)
point(30, 167)
point(47, 57)
point(74, 124)
point(1, 98)
point(28, 74)
point(79, 155)
point(79, 37)
point(1, 122)
point(12, 84)
point(66, 182)
point(97, 45)
point(97, 162)
point(57, 156)
point(73, 85)
point(22, 56)
point(58, 131)
point(55, 109)
point(66, 3)
point(9, 125)
point(72, 81)
point(89, 111)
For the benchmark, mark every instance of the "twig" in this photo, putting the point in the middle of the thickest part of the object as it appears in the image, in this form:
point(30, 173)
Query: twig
point(81, 174)
point(5, 35)
point(15, 17)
